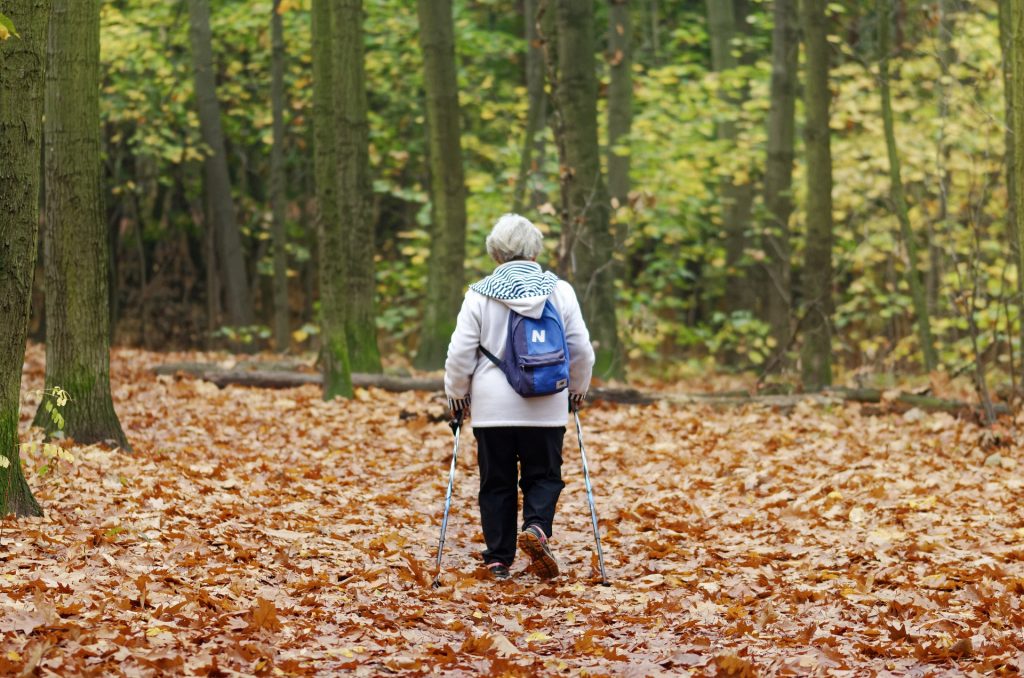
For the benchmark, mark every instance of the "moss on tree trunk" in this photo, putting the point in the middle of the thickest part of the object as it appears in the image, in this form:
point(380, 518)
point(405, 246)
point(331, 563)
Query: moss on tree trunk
point(77, 252)
point(445, 266)
point(354, 189)
point(21, 127)
point(334, 348)
point(816, 352)
point(587, 247)
point(778, 178)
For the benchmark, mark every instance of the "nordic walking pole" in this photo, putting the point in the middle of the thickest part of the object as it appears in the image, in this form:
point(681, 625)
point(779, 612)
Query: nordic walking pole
point(456, 425)
point(590, 498)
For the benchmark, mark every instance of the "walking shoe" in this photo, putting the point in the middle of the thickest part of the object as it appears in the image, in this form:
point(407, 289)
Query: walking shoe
point(533, 541)
point(499, 571)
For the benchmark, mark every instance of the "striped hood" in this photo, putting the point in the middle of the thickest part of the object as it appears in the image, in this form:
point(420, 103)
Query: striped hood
point(521, 285)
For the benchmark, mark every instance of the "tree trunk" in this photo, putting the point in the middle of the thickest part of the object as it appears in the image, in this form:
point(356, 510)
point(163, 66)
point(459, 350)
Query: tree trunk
point(736, 199)
point(778, 179)
point(76, 247)
point(537, 113)
point(447, 187)
point(21, 129)
point(217, 183)
point(282, 331)
point(816, 352)
point(354, 189)
point(1016, 107)
point(587, 246)
point(924, 330)
point(620, 100)
point(337, 377)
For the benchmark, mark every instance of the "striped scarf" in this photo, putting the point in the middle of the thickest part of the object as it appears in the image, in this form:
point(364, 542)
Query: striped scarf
point(517, 280)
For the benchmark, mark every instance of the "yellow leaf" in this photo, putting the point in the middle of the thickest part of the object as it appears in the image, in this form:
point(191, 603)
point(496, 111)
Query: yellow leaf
point(857, 515)
point(537, 636)
point(155, 631)
point(4, 462)
point(300, 335)
point(13, 656)
point(4, 33)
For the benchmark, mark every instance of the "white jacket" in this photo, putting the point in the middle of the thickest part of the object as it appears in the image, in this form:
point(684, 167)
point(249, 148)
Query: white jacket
point(484, 320)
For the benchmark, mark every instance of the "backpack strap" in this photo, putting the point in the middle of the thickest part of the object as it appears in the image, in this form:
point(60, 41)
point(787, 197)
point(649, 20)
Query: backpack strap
point(490, 356)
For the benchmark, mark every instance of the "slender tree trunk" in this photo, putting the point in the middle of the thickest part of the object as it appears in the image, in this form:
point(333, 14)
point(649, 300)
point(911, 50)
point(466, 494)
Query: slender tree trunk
point(816, 352)
point(77, 253)
point(620, 99)
point(217, 184)
point(655, 33)
point(736, 198)
point(536, 115)
point(354, 189)
point(447, 186)
point(22, 73)
point(334, 347)
point(587, 241)
point(924, 331)
point(947, 54)
point(282, 331)
point(778, 179)
point(1016, 107)
point(1006, 35)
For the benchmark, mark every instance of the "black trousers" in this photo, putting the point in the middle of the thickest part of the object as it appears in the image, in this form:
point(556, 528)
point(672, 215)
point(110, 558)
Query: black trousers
point(539, 454)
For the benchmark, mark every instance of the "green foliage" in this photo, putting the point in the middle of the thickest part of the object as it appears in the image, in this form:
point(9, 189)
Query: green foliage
point(671, 257)
point(54, 399)
point(7, 28)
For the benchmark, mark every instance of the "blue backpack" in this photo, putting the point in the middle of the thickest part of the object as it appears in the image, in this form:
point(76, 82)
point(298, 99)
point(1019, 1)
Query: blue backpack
point(536, 361)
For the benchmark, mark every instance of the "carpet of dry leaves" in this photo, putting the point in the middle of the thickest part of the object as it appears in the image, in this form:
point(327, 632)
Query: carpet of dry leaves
point(267, 532)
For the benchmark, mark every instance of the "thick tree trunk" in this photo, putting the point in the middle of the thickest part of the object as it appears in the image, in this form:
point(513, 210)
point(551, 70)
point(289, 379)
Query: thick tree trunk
point(354, 189)
point(778, 179)
point(77, 255)
point(447, 187)
point(282, 331)
point(924, 331)
point(22, 72)
point(537, 113)
point(217, 184)
point(337, 377)
point(736, 198)
point(816, 352)
point(620, 99)
point(587, 242)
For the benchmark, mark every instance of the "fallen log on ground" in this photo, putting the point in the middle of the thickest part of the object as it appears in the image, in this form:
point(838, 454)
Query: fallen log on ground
point(264, 375)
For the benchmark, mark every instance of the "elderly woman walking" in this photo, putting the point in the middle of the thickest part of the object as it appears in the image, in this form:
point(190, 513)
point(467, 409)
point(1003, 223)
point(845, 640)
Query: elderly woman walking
point(504, 358)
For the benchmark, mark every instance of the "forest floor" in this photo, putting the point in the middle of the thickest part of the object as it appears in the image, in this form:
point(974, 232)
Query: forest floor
point(267, 532)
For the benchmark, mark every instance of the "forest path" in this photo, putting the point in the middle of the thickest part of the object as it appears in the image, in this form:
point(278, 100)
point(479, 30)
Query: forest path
point(265, 531)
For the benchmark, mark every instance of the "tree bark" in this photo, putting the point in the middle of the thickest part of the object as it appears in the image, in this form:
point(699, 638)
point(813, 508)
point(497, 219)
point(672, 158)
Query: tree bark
point(620, 99)
point(1006, 43)
point(337, 377)
point(587, 247)
point(282, 330)
point(736, 198)
point(76, 247)
point(354, 189)
point(816, 352)
point(778, 179)
point(924, 331)
point(1016, 109)
point(217, 183)
point(21, 129)
point(445, 275)
point(536, 115)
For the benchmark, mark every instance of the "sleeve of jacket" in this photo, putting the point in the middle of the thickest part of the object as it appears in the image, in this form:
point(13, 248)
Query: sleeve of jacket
point(577, 337)
point(462, 350)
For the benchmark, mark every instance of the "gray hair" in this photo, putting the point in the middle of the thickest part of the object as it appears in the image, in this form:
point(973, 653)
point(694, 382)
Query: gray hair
point(514, 237)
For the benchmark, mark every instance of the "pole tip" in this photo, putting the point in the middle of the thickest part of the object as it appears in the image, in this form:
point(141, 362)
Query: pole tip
point(605, 582)
point(436, 584)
